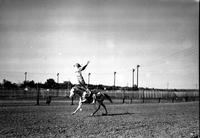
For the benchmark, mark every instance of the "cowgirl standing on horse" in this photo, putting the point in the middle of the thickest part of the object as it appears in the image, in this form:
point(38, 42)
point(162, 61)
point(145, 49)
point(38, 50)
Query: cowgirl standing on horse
point(81, 82)
point(82, 91)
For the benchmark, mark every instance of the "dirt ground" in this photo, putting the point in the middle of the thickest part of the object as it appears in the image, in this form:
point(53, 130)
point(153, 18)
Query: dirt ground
point(24, 119)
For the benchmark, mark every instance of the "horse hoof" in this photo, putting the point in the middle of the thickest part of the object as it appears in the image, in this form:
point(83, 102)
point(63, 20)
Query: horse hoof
point(91, 114)
point(73, 113)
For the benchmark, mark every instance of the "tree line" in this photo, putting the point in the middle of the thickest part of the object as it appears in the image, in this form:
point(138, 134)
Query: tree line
point(51, 84)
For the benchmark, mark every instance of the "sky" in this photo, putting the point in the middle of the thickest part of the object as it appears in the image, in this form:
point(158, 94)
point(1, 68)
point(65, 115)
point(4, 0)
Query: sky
point(46, 37)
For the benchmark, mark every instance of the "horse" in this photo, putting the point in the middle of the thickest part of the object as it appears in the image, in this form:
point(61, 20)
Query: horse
point(100, 97)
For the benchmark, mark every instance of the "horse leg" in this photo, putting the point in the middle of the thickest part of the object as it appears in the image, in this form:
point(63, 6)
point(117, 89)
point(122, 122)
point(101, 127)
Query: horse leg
point(79, 107)
point(104, 108)
point(96, 110)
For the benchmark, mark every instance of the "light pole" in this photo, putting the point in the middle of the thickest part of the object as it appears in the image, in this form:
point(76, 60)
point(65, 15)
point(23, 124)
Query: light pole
point(137, 73)
point(25, 77)
point(133, 78)
point(114, 79)
point(57, 77)
point(89, 78)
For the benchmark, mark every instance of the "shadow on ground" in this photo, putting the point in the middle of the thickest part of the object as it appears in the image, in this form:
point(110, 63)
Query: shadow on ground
point(115, 114)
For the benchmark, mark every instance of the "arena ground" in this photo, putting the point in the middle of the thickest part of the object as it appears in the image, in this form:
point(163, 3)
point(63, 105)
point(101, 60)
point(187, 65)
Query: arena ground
point(25, 119)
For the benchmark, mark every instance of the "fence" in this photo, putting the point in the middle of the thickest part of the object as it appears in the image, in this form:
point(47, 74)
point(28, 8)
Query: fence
point(153, 94)
point(117, 94)
point(31, 93)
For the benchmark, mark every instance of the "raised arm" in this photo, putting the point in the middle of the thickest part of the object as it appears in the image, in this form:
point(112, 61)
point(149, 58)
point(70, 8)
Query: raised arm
point(84, 66)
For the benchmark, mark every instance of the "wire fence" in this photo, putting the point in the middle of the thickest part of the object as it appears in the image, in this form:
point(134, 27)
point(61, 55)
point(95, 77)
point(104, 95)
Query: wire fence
point(122, 95)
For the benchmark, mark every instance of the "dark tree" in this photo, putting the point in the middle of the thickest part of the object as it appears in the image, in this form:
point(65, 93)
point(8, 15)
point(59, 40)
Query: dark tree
point(66, 85)
point(7, 84)
point(31, 84)
point(50, 83)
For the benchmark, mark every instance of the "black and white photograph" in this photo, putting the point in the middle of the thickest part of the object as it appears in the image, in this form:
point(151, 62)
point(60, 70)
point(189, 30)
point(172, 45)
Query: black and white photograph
point(99, 68)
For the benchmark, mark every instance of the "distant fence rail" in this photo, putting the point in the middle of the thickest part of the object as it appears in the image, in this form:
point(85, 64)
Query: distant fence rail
point(31, 93)
point(153, 94)
point(117, 94)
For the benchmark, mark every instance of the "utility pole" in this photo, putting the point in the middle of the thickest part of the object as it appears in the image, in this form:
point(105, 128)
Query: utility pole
point(57, 77)
point(25, 77)
point(89, 78)
point(137, 74)
point(114, 79)
point(133, 78)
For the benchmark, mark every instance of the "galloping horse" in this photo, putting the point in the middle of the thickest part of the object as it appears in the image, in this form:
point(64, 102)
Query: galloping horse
point(100, 97)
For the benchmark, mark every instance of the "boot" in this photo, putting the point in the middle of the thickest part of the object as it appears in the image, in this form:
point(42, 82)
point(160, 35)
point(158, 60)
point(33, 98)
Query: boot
point(83, 97)
point(94, 99)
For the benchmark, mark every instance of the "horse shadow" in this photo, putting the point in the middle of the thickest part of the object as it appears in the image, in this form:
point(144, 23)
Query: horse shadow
point(114, 114)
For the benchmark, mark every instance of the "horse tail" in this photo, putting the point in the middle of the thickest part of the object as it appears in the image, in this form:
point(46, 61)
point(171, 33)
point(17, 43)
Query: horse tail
point(108, 97)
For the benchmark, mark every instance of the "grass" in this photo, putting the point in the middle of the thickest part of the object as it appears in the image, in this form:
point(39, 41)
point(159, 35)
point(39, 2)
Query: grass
point(124, 120)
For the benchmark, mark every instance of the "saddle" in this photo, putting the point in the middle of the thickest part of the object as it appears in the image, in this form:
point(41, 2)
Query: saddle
point(82, 89)
point(89, 98)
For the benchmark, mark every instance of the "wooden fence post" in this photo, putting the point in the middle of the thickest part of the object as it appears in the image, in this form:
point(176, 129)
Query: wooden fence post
point(132, 97)
point(172, 99)
point(143, 97)
point(159, 96)
point(72, 101)
point(38, 95)
point(123, 99)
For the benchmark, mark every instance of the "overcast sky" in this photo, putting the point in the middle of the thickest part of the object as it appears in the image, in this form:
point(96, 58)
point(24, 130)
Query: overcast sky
point(44, 37)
